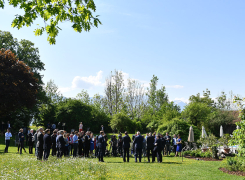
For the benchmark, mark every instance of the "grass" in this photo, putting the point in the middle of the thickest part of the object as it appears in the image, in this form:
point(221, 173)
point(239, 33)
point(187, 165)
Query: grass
point(25, 166)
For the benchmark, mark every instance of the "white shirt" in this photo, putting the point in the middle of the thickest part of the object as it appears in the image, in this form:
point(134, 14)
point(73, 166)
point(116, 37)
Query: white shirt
point(175, 140)
point(80, 126)
point(8, 135)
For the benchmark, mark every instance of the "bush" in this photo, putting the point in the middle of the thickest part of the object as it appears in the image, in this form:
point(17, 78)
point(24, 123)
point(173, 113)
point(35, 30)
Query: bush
point(208, 154)
point(234, 164)
point(186, 153)
point(178, 126)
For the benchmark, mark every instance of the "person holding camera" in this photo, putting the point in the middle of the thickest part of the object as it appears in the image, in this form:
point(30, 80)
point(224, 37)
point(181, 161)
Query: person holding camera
point(126, 145)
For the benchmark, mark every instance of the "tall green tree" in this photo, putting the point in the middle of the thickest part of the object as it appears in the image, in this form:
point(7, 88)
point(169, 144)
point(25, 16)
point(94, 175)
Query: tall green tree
point(79, 13)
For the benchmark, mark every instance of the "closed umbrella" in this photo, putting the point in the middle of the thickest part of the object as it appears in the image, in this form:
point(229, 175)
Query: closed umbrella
point(221, 131)
point(237, 127)
point(191, 135)
point(204, 134)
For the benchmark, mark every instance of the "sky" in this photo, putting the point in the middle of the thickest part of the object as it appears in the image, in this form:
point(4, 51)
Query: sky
point(189, 45)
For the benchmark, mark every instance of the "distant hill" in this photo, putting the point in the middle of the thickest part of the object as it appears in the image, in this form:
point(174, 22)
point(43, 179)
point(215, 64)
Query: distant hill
point(181, 104)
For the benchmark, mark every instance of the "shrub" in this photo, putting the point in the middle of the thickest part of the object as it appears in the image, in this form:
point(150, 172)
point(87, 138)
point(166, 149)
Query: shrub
point(178, 126)
point(234, 164)
point(185, 153)
point(208, 154)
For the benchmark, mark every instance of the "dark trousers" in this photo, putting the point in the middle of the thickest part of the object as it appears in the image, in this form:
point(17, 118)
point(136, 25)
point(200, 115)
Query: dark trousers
point(120, 150)
point(46, 153)
point(30, 147)
point(71, 148)
point(159, 155)
point(80, 150)
point(66, 152)
point(75, 149)
point(101, 154)
point(86, 150)
point(138, 152)
point(21, 144)
point(114, 151)
point(148, 154)
point(40, 152)
point(60, 152)
point(167, 148)
point(7, 145)
point(21, 147)
point(125, 152)
point(54, 150)
point(175, 146)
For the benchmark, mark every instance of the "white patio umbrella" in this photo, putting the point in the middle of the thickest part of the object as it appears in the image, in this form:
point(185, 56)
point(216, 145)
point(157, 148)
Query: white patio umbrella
point(221, 131)
point(204, 134)
point(237, 127)
point(191, 135)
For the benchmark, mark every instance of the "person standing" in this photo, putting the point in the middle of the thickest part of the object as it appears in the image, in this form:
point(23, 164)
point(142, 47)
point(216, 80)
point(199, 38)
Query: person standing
point(40, 144)
point(144, 146)
point(87, 144)
point(8, 135)
point(53, 141)
point(46, 144)
point(21, 140)
point(81, 127)
point(35, 142)
point(101, 145)
point(102, 128)
point(158, 146)
point(30, 141)
point(174, 142)
point(138, 141)
point(179, 146)
point(168, 143)
point(75, 144)
point(80, 144)
point(60, 144)
point(150, 145)
point(8, 125)
point(66, 151)
point(91, 144)
point(126, 145)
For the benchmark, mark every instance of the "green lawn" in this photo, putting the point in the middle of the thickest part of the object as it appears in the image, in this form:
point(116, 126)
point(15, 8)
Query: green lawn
point(15, 166)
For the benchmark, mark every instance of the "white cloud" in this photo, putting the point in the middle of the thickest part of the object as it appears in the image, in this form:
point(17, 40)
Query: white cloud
point(87, 82)
point(175, 86)
point(65, 89)
point(181, 99)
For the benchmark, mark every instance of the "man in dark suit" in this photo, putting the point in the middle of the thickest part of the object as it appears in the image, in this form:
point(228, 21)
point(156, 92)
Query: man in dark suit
point(101, 146)
point(46, 144)
point(158, 146)
point(40, 144)
point(150, 145)
point(138, 141)
point(126, 145)
point(31, 141)
point(60, 144)
point(87, 143)
point(53, 140)
point(168, 143)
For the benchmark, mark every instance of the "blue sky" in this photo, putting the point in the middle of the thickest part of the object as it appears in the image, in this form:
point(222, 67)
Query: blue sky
point(189, 45)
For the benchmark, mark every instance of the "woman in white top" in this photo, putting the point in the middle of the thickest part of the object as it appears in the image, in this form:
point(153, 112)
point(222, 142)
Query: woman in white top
point(81, 127)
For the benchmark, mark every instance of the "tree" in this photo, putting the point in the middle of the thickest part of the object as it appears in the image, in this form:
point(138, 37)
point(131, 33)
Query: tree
point(205, 99)
point(197, 113)
point(121, 122)
point(84, 97)
point(135, 99)
point(78, 12)
point(18, 86)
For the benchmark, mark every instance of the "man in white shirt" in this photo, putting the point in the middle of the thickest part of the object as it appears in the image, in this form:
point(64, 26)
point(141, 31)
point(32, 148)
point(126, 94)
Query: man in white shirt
point(174, 143)
point(8, 135)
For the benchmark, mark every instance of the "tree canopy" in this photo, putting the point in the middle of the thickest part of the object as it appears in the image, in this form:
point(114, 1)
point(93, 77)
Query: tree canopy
point(53, 12)
point(18, 86)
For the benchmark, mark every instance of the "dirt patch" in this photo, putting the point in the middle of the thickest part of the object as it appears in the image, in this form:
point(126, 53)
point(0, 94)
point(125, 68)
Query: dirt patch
point(203, 158)
point(238, 173)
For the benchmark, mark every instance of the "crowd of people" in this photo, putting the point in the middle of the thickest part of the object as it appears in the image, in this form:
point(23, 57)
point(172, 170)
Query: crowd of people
point(84, 144)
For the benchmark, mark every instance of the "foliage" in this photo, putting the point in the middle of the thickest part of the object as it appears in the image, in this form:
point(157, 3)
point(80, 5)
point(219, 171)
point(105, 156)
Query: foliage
point(79, 13)
point(121, 122)
point(239, 134)
point(25, 51)
point(224, 140)
point(178, 126)
point(197, 113)
point(18, 85)
point(234, 164)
